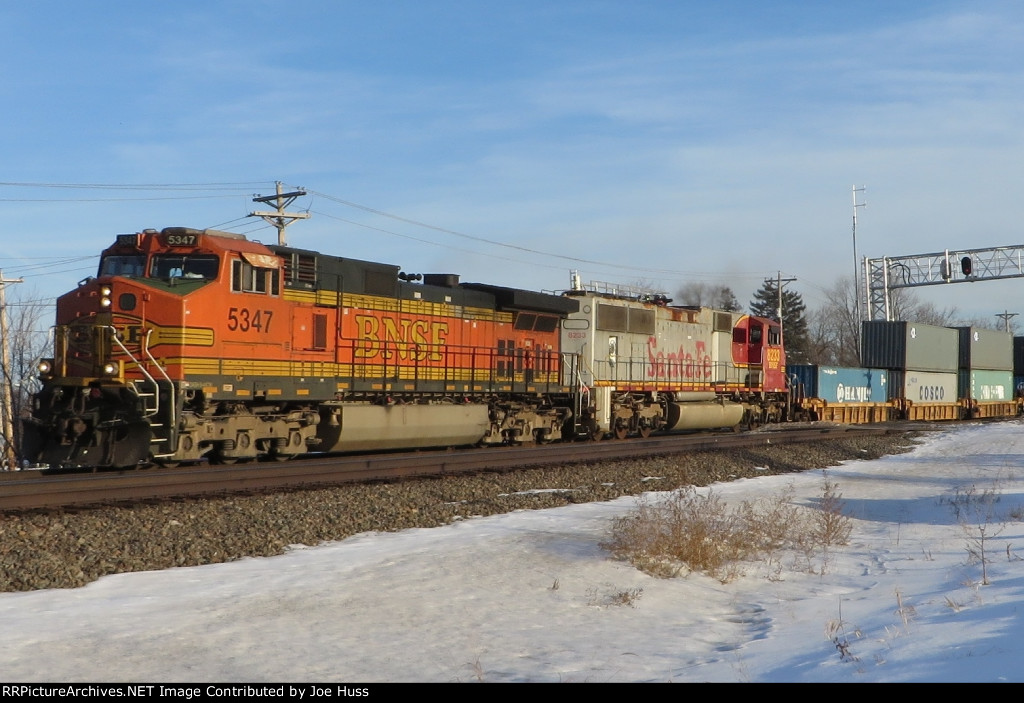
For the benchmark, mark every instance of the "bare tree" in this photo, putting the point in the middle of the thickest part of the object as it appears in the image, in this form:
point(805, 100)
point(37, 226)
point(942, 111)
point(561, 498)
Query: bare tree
point(27, 340)
point(833, 334)
point(988, 323)
point(905, 305)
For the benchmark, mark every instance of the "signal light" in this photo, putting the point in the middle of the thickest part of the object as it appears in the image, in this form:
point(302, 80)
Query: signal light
point(966, 265)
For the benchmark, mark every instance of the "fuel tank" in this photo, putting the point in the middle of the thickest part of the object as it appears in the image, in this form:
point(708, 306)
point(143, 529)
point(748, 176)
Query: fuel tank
point(351, 427)
point(703, 416)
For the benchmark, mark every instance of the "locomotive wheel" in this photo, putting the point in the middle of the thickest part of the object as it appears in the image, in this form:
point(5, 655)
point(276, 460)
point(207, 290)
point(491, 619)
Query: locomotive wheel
point(596, 434)
point(621, 432)
point(645, 431)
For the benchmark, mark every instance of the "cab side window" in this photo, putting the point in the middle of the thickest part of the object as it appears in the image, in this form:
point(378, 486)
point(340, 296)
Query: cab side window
point(246, 278)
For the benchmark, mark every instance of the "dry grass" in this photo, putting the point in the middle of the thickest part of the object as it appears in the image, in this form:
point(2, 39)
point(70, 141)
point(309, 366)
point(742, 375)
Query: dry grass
point(691, 531)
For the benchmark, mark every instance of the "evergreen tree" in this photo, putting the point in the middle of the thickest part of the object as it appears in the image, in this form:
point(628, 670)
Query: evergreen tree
point(794, 318)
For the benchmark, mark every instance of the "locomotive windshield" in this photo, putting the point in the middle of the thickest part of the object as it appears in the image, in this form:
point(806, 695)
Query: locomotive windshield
point(185, 266)
point(120, 265)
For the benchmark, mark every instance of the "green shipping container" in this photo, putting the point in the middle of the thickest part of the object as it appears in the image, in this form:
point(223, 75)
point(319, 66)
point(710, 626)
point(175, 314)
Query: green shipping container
point(909, 346)
point(985, 349)
point(986, 386)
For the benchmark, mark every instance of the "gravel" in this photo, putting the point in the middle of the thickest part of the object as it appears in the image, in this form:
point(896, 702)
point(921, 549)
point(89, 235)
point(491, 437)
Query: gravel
point(67, 549)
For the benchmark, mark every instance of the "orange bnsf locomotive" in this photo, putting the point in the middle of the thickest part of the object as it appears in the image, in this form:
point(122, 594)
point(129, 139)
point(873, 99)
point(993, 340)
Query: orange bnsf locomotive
point(192, 344)
point(198, 344)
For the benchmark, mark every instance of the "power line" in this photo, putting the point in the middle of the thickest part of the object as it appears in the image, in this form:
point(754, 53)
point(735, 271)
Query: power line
point(138, 186)
point(238, 186)
point(117, 200)
point(516, 247)
point(52, 263)
point(172, 187)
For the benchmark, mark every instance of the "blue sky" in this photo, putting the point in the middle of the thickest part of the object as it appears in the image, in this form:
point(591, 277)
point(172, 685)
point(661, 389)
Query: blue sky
point(661, 142)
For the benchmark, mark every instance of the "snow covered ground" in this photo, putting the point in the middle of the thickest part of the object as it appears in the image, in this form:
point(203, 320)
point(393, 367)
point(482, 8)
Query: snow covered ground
point(532, 597)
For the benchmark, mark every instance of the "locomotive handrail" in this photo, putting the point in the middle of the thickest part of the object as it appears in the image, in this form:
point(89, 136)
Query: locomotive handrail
point(163, 372)
point(145, 348)
point(131, 356)
point(117, 340)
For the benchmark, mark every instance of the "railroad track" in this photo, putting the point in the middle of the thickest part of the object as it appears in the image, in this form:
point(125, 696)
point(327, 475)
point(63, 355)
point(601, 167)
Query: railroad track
point(28, 490)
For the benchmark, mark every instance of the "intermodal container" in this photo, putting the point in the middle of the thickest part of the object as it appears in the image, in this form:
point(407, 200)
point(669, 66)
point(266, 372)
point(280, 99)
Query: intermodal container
point(1018, 356)
point(984, 349)
point(922, 387)
point(841, 384)
point(986, 386)
point(910, 346)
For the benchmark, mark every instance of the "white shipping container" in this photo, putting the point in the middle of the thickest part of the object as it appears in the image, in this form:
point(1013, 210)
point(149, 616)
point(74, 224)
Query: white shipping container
point(930, 387)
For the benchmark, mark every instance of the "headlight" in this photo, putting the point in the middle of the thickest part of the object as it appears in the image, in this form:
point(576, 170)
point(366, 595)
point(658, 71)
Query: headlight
point(110, 368)
point(105, 292)
point(45, 366)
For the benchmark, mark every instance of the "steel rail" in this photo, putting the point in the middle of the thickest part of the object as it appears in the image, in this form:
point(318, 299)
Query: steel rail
point(27, 490)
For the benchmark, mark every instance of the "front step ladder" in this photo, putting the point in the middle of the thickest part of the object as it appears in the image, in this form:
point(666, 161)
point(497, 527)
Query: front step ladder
point(150, 409)
point(151, 400)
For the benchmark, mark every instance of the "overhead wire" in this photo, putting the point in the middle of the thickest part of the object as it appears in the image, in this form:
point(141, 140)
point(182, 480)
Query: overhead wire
point(136, 186)
point(238, 186)
point(430, 242)
point(517, 247)
point(179, 187)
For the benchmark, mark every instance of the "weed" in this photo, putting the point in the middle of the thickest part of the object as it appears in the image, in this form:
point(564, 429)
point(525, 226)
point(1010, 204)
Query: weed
point(691, 531)
point(599, 598)
point(478, 670)
point(954, 605)
point(833, 527)
point(905, 611)
point(628, 597)
point(688, 529)
point(980, 524)
point(835, 630)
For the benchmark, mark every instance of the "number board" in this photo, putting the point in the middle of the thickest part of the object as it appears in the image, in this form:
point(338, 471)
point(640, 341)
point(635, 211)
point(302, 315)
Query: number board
point(181, 240)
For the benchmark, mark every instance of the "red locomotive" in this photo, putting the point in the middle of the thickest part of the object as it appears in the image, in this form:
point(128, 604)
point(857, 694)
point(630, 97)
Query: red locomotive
point(198, 344)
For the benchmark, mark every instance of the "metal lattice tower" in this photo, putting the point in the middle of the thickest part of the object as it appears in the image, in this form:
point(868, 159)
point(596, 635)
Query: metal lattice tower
point(949, 266)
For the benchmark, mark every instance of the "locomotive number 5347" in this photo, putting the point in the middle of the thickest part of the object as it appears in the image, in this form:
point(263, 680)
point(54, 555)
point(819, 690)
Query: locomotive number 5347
point(245, 319)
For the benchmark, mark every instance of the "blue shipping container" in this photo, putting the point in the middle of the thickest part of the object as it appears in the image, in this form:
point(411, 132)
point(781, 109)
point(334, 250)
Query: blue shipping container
point(841, 384)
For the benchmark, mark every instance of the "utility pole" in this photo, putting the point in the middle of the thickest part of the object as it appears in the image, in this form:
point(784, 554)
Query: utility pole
point(9, 459)
point(1006, 317)
point(856, 263)
point(279, 218)
point(779, 281)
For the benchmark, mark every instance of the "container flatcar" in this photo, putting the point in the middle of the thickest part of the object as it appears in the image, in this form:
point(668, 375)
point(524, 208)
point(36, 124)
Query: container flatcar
point(839, 393)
